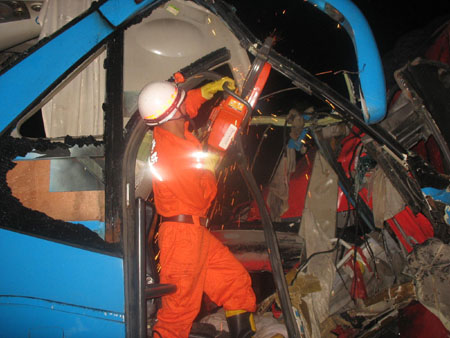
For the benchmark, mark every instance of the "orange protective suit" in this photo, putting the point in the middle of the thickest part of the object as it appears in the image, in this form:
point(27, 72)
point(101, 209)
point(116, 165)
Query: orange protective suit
point(191, 258)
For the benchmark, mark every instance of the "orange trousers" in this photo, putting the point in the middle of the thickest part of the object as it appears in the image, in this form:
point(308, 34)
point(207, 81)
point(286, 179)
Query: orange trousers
point(196, 262)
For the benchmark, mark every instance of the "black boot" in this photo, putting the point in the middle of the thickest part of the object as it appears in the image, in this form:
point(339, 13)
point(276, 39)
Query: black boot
point(241, 324)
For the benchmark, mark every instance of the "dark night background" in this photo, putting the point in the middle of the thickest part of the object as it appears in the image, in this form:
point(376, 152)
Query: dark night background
point(311, 39)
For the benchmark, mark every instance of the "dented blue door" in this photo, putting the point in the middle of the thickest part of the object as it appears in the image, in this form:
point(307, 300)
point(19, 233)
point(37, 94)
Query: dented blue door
point(50, 289)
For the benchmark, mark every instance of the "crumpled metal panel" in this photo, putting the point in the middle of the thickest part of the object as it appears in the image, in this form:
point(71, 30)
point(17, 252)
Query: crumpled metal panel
point(426, 85)
point(318, 226)
point(429, 265)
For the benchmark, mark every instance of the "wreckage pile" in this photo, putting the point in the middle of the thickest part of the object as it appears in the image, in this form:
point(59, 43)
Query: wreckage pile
point(372, 265)
point(375, 225)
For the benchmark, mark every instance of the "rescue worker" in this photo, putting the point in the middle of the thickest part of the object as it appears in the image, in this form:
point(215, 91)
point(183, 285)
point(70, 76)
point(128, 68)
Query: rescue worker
point(184, 186)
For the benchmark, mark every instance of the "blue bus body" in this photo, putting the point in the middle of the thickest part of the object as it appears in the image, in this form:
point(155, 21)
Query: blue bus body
point(50, 288)
point(80, 292)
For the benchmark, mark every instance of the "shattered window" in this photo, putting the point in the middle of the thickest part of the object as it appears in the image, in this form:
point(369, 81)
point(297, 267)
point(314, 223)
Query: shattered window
point(53, 165)
point(49, 192)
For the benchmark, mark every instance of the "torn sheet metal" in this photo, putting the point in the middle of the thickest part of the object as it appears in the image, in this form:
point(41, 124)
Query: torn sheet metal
point(278, 196)
point(381, 261)
point(387, 202)
point(317, 227)
point(429, 265)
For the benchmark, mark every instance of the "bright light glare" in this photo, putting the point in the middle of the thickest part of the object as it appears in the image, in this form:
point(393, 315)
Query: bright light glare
point(198, 155)
point(199, 158)
point(155, 173)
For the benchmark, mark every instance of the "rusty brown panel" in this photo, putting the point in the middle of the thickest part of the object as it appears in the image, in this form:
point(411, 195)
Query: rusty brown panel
point(29, 182)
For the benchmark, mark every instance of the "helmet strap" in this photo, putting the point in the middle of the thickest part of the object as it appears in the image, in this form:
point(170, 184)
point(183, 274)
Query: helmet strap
point(187, 118)
point(191, 122)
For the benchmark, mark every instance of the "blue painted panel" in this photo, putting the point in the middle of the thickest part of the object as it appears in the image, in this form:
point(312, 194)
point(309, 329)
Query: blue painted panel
point(370, 68)
point(97, 226)
point(22, 317)
point(437, 194)
point(442, 196)
point(25, 82)
point(118, 11)
point(76, 279)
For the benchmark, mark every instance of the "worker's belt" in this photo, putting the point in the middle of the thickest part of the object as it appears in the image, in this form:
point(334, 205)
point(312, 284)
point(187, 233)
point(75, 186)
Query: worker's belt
point(185, 219)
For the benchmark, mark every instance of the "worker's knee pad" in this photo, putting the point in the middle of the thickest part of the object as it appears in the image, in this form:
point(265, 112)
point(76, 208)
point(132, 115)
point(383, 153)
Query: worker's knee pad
point(241, 323)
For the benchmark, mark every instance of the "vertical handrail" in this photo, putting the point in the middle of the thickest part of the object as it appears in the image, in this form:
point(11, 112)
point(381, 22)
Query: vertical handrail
point(140, 245)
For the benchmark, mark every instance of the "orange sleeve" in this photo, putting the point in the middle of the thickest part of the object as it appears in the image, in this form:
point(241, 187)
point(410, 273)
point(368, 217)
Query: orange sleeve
point(194, 100)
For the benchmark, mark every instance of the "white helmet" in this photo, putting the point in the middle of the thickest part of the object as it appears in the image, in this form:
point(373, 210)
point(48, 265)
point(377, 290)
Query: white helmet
point(158, 102)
